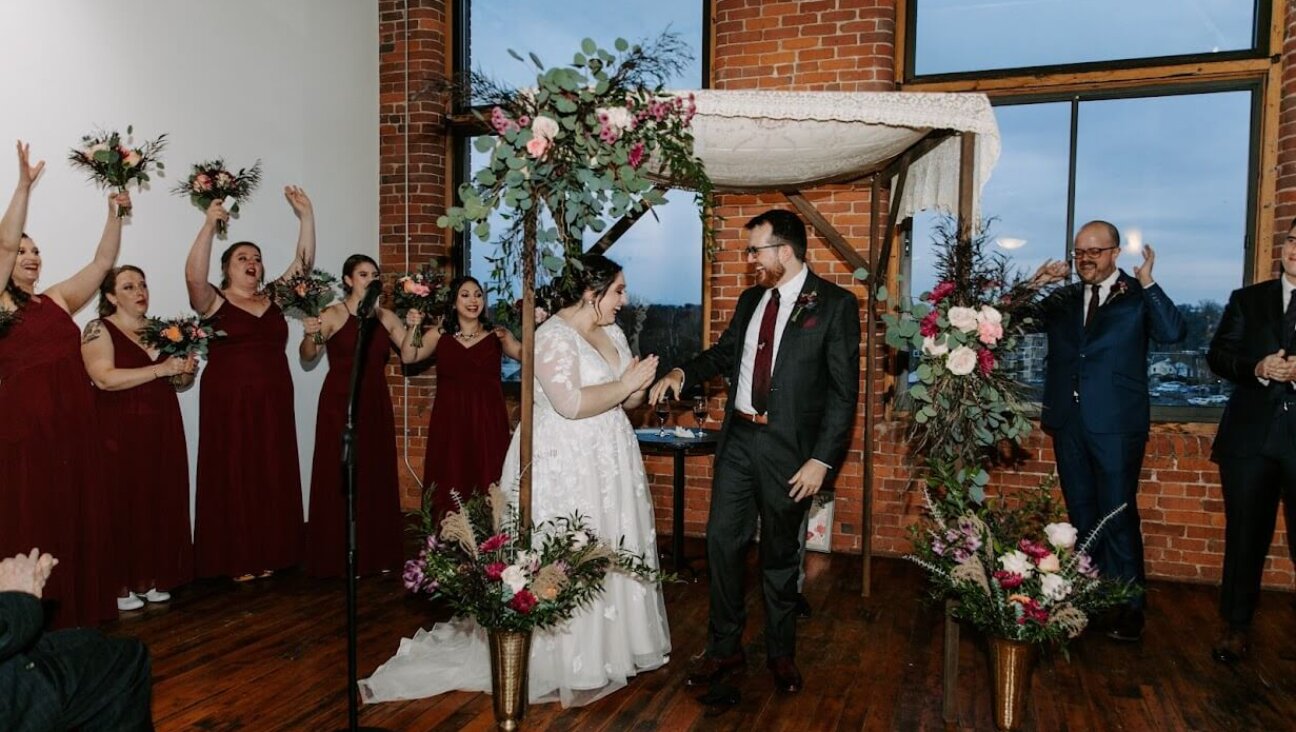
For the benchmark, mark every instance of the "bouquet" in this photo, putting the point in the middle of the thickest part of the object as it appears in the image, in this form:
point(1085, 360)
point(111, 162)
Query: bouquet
point(307, 293)
point(212, 181)
point(8, 319)
point(111, 163)
point(179, 336)
point(425, 291)
point(1016, 568)
point(966, 405)
point(505, 576)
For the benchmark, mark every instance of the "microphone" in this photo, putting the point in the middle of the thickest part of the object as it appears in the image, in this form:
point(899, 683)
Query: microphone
point(370, 297)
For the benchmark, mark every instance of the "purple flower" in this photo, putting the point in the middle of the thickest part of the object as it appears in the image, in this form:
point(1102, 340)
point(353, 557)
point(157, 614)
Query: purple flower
point(1087, 567)
point(939, 547)
point(413, 576)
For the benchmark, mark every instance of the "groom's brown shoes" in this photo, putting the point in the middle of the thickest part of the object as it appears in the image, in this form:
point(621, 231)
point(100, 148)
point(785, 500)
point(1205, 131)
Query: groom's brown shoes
point(706, 669)
point(787, 677)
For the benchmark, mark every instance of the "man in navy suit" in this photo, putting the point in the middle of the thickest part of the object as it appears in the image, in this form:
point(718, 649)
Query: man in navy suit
point(1095, 402)
point(1255, 445)
point(68, 679)
point(791, 354)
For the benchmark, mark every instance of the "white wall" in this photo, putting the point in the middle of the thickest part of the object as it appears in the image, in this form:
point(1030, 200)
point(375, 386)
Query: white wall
point(292, 82)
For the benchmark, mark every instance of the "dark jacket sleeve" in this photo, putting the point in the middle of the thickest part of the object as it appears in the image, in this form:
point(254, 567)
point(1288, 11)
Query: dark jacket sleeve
point(1227, 356)
point(20, 623)
point(718, 359)
point(842, 355)
point(1165, 322)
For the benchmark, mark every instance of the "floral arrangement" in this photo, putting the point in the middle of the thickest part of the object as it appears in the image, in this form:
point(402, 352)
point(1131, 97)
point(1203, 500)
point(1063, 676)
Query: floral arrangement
point(966, 406)
point(1014, 565)
point(424, 290)
point(211, 181)
point(587, 142)
point(8, 319)
point(509, 577)
point(305, 293)
point(179, 336)
point(111, 163)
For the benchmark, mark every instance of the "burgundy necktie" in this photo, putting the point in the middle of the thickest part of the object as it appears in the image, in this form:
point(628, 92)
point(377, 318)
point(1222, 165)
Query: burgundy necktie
point(1093, 306)
point(764, 355)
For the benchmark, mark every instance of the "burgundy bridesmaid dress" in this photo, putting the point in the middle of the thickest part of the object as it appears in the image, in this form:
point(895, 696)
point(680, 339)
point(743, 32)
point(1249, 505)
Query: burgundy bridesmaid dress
point(468, 430)
point(378, 516)
point(149, 474)
point(248, 513)
point(53, 490)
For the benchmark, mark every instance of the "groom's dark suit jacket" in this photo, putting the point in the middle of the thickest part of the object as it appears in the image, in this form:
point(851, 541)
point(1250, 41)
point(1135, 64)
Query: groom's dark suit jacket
point(1250, 329)
point(814, 388)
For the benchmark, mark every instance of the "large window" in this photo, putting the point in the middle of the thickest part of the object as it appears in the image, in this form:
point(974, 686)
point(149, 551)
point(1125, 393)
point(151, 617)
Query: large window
point(1170, 171)
point(965, 36)
point(662, 252)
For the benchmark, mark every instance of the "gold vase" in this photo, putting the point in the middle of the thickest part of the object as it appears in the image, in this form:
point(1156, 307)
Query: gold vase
point(1011, 664)
point(510, 656)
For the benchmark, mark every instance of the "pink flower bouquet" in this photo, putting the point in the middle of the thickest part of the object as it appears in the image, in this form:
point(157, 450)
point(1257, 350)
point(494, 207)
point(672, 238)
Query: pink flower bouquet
point(211, 181)
point(425, 291)
point(112, 163)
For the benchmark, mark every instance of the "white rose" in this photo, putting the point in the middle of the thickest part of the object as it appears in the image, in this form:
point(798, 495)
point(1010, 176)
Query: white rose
point(1062, 536)
point(961, 361)
point(514, 577)
point(988, 314)
point(1054, 587)
point(544, 127)
point(1049, 563)
point(965, 319)
point(618, 118)
point(1017, 563)
point(932, 348)
point(579, 540)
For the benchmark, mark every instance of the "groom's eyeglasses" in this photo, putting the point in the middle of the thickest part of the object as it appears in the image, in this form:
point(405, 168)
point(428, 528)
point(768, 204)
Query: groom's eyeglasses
point(1090, 253)
point(751, 251)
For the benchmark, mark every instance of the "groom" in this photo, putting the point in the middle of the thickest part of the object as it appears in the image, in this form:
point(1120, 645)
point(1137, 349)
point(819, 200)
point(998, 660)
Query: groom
point(791, 355)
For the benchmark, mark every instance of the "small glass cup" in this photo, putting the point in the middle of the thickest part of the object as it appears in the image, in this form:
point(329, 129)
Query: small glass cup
point(662, 410)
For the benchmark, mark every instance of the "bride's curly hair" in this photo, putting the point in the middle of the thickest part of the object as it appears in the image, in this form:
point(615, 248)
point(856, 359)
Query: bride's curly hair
point(595, 275)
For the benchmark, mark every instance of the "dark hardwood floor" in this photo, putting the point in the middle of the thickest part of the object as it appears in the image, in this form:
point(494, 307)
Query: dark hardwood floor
point(271, 655)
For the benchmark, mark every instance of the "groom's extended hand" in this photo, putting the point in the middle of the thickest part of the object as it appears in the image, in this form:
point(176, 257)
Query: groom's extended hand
point(673, 381)
point(808, 480)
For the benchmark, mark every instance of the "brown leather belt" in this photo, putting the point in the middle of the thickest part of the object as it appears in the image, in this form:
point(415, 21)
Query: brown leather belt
point(753, 418)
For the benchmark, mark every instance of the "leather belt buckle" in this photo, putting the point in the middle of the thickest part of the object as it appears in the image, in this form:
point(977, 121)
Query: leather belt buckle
point(761, 419)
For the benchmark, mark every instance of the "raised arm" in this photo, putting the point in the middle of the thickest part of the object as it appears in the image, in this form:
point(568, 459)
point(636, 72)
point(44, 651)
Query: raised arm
point(15, 216)
point(509, 342)
point(304, 257)
point(74, 292)
point(98, 353)
point(393, 325)
point(203, 297)
point(409, 353)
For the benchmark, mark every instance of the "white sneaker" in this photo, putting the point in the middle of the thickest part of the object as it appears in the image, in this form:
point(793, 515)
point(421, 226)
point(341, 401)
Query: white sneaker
point(156, 595)
point(130, 602)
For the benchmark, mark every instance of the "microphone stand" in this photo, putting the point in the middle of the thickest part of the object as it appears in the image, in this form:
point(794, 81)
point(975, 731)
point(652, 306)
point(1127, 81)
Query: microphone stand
point(364, 333)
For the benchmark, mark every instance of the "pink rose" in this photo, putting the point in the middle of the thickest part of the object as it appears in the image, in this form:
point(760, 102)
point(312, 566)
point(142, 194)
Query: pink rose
point(1049, 563)
point(201, 183)
point(537, 147)
point(421, 290)
point(989, 333)
point(131, 159)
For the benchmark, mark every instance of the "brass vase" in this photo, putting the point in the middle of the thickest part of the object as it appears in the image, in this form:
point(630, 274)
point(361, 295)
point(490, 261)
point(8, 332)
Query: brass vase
point(1011, 664)
point(510, 656)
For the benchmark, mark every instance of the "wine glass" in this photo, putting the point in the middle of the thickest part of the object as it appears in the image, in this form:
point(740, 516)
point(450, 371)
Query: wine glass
point(700, 413)
point(662, 410)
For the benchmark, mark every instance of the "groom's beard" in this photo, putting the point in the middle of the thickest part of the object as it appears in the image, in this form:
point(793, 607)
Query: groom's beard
point(768, 277)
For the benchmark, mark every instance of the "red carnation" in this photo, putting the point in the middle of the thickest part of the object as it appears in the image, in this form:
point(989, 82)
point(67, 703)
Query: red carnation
point(1008, 580)
point(928, 326)
point(495, 570)
point(1033, 550)
point(985, 361)
point(523, 601)
point(940, 292)
point(493, 543)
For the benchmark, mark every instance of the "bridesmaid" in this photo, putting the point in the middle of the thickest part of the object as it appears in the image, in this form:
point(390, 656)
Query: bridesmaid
point(52, 493)
point(148, 463)
point(378, 515)
point(468, 430)
point(248, 514)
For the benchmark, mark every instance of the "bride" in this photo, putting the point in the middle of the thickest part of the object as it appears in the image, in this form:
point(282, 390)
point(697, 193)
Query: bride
point(585, 459)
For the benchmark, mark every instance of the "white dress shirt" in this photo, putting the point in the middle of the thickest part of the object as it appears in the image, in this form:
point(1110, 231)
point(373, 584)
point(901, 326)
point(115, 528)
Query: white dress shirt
point(788, 293)
point(1104, 290)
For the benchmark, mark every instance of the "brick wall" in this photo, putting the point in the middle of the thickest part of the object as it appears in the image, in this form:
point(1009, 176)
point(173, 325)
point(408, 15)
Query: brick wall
point(831, 45)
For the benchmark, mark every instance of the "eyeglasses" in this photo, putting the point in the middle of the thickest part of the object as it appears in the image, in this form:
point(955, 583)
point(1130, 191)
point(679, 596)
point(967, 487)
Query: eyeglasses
point(751, 251)
point(1090, 253)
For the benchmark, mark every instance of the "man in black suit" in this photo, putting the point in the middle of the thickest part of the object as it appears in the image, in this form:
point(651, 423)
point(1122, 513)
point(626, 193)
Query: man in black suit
point(791, 355)
point(68, 679)
point(1255, 445)
point(1095, 403)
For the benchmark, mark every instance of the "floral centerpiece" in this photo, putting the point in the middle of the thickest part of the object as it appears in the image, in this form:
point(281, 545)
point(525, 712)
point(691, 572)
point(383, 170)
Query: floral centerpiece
point(305, 293)
point(210, 181)
point(424, 290)
point(112, 163)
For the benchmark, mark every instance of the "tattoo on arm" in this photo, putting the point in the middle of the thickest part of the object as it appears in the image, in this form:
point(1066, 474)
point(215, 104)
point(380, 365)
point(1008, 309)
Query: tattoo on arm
point(93, 330)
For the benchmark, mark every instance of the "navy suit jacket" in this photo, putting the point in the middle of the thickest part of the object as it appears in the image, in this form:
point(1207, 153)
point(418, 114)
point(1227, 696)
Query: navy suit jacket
point(1106, 363)
point(1250, 329)
point(814, 388)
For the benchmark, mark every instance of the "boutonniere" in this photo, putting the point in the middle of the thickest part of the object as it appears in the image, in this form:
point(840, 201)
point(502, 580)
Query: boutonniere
point(1118, 289)
point(806, 302)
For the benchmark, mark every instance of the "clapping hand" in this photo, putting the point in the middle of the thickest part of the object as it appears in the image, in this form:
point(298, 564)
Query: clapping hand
point(1144, 271)
point(639, 374)
point(1277, 367)
point(26, 572)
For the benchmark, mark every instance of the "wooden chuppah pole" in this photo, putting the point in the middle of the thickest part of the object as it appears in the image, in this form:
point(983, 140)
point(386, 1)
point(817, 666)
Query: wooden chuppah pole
point(528, 362)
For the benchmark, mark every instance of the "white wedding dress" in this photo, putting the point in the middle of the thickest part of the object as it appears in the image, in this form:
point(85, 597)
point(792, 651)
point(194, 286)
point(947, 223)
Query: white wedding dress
point(592, 466)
